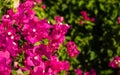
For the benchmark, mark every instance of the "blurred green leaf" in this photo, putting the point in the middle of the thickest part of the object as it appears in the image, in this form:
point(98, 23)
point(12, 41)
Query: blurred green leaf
point(64, 6)
point(92, 55)
point(14, 72)
point(102, 7)
point(118, 51)
point(114, 14)
point(110, 53)
point(26, 73)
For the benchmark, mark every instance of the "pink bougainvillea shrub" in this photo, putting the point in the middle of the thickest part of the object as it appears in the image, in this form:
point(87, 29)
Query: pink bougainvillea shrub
point(30, 44)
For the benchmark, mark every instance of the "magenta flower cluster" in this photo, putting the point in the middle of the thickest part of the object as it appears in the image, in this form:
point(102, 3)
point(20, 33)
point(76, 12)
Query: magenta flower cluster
point(85, 17)
point(115, 63)
point(90, 72)
point(23, 34)
point(118, 20)
point(72, 49)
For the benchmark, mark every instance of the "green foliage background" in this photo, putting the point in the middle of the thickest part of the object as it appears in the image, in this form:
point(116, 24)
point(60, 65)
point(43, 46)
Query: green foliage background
point(98, 41)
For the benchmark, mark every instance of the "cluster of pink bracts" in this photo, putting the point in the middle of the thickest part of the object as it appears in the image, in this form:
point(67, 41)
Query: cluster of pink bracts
point(23, 34)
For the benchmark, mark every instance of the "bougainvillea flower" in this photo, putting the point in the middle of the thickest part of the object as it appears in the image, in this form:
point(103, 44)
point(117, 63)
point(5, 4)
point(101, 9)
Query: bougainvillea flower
point(91, 72)
point(115, 62)
point(78, 71)
point(72, 49)
point(59, 18)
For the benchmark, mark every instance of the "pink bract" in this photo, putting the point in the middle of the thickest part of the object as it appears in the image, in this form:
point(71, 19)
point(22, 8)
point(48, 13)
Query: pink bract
point(72, 49)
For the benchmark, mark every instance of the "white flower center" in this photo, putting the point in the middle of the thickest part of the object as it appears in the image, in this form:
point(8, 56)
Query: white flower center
point(12, 37)
point(9, 33)
point(34, 30)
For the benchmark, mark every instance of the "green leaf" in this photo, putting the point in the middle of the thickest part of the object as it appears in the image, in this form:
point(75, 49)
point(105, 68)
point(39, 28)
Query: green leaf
point(88, 27)
point(37, 43)
point(74, 60)
point(92, 55)
point(118, 51)
point(14, 72)
point(96, 11)
point(64, 6)
point(90, 4)
point(114, 14)
point(80, 3)
point(102, 7)
point(73, 1)
point(44, 57)
point(110, 53)
point(26, 72)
